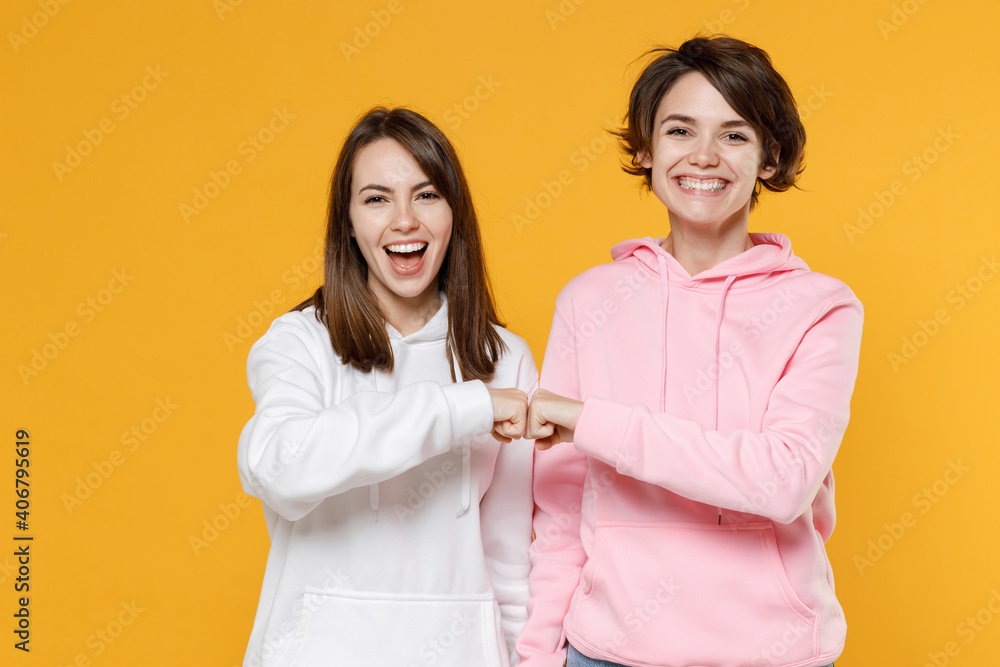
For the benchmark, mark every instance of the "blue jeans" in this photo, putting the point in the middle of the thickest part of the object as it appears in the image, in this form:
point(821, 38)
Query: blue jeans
point(576, 659)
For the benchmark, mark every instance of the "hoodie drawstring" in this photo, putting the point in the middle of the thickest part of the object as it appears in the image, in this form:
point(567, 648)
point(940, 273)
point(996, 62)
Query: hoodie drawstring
point(665, 292)
point(718, 341)
point(466, 454)
point(373, 488)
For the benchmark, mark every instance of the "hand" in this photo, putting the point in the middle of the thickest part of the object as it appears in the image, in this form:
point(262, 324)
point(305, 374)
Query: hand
point(510, 408)
point(552, 418)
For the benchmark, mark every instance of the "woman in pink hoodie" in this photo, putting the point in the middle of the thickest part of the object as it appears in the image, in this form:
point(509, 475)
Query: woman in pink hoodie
point(694, 394)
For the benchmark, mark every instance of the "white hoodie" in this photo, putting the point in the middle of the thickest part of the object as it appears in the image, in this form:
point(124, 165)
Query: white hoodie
point(399, 527)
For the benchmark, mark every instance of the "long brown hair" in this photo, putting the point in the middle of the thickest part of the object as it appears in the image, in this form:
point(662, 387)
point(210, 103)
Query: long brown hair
point(347, 305)
point(743, 74)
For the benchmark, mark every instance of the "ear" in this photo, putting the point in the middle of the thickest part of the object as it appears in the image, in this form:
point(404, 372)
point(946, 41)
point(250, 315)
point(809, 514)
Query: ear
point(645, 159)
point(767, 171)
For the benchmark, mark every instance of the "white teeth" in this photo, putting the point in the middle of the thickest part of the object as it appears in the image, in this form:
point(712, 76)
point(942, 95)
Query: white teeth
point(713, 185)
point(406, 247)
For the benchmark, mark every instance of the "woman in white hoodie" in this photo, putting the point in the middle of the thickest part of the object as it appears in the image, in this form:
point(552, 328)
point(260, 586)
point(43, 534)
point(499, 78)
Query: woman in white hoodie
point(399, 527)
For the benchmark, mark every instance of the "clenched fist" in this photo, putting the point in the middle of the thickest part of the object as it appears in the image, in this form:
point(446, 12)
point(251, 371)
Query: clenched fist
point(510, 408)
point(552, 418)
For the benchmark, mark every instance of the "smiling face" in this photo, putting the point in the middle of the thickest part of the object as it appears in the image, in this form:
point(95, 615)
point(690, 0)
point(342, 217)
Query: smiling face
point(402, 227)
point(705, 158)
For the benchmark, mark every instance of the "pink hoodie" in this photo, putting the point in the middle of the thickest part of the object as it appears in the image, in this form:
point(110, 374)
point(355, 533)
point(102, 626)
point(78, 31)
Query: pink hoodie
point(686, 524)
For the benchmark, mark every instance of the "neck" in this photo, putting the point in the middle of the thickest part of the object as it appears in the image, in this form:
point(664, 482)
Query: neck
point(408, 315)
point(699, 248)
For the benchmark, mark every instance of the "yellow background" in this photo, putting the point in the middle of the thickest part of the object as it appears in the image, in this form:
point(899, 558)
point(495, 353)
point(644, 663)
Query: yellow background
point(881, 85)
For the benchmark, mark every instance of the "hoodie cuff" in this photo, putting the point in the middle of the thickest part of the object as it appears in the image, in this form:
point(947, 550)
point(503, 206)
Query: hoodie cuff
point(471, 408)
point(600, 431)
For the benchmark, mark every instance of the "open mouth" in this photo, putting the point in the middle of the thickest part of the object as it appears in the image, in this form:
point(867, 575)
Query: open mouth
point(406, 255)
point(702, 184)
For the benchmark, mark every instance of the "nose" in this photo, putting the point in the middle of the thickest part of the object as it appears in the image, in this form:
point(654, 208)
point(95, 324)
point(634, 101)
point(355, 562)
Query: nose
point(704, 152)
point(404, 217)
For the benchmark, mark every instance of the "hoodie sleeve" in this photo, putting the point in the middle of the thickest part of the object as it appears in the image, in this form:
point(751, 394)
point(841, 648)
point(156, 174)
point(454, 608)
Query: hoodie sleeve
point(557, 555)
point(505, 518)
point(296, 451)
point(775, 473)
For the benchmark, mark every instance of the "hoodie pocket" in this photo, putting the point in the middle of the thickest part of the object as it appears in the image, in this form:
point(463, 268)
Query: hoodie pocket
point(694, 594)
point(351, 628)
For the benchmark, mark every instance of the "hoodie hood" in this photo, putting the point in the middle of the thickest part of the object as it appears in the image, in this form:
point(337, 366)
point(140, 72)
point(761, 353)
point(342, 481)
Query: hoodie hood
point(772, 254)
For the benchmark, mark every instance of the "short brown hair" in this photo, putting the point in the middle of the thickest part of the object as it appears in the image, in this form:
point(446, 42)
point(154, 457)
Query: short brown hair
point(348, 306)
point(743, 74)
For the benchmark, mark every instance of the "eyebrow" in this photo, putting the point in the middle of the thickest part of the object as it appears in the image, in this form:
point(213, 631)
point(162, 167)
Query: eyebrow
point(388, 190)
point(681, 118)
